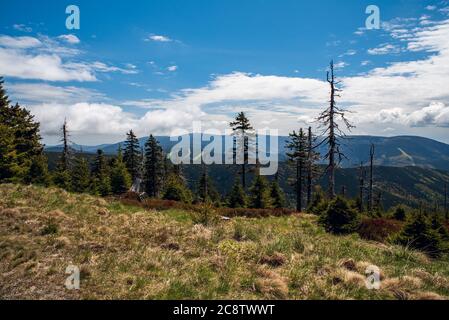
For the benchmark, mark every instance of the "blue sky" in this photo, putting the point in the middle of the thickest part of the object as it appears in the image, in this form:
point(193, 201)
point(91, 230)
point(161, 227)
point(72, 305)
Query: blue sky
point(156, 66)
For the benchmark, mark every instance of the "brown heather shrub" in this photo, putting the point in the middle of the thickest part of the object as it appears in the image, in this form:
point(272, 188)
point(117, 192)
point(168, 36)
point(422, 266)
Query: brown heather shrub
point(378, 229)
point(255, 213)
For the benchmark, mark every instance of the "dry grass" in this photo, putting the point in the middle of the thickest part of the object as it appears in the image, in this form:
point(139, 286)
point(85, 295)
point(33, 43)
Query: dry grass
point(126, 252)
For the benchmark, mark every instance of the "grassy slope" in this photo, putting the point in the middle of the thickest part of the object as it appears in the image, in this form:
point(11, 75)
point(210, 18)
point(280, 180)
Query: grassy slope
point(126, 253)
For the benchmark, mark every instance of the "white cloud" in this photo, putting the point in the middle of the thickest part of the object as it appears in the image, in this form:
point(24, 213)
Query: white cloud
point(16, 63)
point(436, 114)
point(19, 42)
point(158, 38)
point(384, 49)
point(36, 93)
point(431, 8)
point(22, 27)
point(47, 59)
point(340, 65)
point(69, 38)
point(172, 68)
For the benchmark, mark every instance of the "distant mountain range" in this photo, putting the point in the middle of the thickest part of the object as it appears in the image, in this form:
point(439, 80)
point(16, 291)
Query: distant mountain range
point(398, 151)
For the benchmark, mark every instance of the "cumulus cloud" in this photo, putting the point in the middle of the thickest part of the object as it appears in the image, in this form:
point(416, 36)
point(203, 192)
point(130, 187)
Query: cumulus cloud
point(19, 42)
point(436, 114)
point(172, 68)
point(70, 38)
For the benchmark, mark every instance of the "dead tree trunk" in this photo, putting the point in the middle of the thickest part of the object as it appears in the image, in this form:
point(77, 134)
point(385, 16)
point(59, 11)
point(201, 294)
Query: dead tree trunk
point(332, 131)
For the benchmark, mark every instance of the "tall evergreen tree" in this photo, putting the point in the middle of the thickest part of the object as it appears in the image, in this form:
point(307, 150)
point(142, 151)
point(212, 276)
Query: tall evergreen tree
point(259, 193)
point(332, 132)
point(120, 177)
point(206, 189)
point(298, 156)
point(80, 177)
point(19, 139)
point(277, 195)
point(101, 181)
point(131, 155)
point(153, 167)
point(237, 197)
point(243, 132)
point(38, 172)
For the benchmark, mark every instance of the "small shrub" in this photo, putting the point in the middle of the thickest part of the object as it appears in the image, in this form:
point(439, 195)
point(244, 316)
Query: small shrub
point(205, 214)
point(419, 234)
point(50, 228)
point(340, 218)
point(378, 229)
point(399, 214)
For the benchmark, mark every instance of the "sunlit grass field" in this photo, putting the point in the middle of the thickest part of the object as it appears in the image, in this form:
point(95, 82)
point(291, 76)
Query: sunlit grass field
point(125, 252)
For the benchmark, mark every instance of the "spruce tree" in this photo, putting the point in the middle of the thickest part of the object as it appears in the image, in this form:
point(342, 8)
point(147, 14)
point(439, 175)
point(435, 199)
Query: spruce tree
point(176, 190)
point(340, 217)
point(153, 168)
point(38, 172)
point(206, 189)
point(259, 193)
point(298, 156)
point(101, 181)
point(8, 156)
point(243, 132)
point(19, 139)
point(277, 195)
point(80, 177)
point(120, 177)
point(237, 198)
point(419, 234)
point(131, 155)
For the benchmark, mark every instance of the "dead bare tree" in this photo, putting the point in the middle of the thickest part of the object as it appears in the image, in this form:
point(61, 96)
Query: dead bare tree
point(332, 132)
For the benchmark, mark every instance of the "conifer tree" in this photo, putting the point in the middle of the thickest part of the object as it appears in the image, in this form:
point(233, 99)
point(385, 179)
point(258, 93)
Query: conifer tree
point(153, 167)
point(277, 195)
point(259, 193)
point(243, 132)
point(38, 172)
point(332, 132)
point(8, 156)
point(19, 139)
point(101, 181)
point(298, 160)
point(419, 234)
point(176, 190)
point(237, 198)
point(120, 177)
point(131, 155)
point(206, 189)
point(80, 177)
